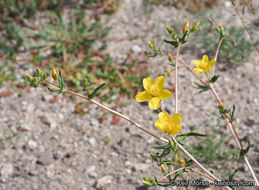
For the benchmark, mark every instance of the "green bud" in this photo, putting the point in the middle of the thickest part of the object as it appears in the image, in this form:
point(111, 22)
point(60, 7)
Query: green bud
point(29, 77)
point(195, 27)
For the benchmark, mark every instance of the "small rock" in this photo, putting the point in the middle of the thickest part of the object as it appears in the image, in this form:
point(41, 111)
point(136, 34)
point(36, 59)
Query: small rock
point(94, 122)
point(136, 49)
point(32, 144)
point(45, 158)
point(91, 140)
point(47, 119)
point(24, 127)
point(104, 181)
point(141, 167)
point(30, 108)
point(6, 171)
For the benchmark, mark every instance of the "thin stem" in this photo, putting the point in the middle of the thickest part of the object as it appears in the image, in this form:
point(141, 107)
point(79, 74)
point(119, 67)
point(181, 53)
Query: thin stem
point(171, 173)
point(176, 79)
point(141, 128)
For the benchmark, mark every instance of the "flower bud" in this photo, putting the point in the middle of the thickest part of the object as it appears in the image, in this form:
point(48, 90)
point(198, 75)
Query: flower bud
point(181, 161)
point(29, 77)
point(186, 27)
point(150, 45)
point(163, 168)
point(170, 57)
point(85, 81)
point(54, 74)
point(171, 31)
point(38, 71)
point(195, 27)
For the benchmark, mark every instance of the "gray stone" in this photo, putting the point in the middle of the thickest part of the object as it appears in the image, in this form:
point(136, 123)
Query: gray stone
point(104, 181)
point(7, 170)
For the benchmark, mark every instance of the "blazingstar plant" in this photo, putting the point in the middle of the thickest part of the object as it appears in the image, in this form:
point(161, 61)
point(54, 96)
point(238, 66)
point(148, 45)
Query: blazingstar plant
point(171, 156)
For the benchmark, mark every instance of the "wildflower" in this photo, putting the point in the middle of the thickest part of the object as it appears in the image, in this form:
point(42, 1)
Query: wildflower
point(186, 27)
point(29, 77)
point(54, 74)
point(153, 92)
point(150, 45)
point(205, 65)
point(169, 124)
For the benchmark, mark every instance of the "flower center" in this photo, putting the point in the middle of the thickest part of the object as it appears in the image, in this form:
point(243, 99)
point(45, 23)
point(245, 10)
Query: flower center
point(154, 92)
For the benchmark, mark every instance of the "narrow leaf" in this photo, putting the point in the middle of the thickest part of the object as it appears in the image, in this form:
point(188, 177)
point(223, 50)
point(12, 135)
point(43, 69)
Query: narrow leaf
point(96, 90)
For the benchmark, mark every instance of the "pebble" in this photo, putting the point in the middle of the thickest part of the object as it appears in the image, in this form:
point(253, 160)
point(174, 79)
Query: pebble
point(32, 144)
point(92, 141)
point(45, 158)
point(7, 170)
point(47, 119)
point(136, 49)
point(104, 181)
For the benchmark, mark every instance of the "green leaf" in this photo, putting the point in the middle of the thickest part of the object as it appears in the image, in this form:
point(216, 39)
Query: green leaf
point(96, 90)
point(201, 87)
point(59, 91)
point(213, 79)
point(232, 175)
point(182, 137)
point(243, 152)
point(174, 43)
point(178, 173)
point(61, 82)
point(232, 113)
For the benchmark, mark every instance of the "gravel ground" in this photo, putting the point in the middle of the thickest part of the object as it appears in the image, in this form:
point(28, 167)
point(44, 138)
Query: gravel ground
point(48, 146)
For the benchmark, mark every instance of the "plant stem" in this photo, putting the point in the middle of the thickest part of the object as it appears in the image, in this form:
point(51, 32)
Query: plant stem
point(176, 79)
point(141, 128)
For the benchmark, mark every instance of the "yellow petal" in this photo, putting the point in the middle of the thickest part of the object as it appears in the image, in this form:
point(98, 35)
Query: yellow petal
point(175, 129)
point(212, 63)
point(154, 103)
point(164, 94)
point(177, 119)
point(197, 62)
point(160, 126)
point(147, 83)
point(160, 82)
point(205, 59)
point(143, 96)
point(198, 70)
point(163, 116)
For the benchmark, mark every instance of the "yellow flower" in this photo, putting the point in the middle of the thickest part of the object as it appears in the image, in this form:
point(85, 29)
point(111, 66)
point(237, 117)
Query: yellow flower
point(186, 27)
point(169, 124)
point(205, 65)
point(153, 92)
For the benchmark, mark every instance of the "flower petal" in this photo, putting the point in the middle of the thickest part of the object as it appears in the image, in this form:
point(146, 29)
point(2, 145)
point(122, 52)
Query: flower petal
point(163, 116)
point(159, 83)
point(143, 96)
point(160, 126)
point(177, 119)
point(164, 94)
point(205, 59)
point(198, 70)
point(175, 129)
point(154, 103)
point(147, 83)
point(197, 62)
point(212, 63)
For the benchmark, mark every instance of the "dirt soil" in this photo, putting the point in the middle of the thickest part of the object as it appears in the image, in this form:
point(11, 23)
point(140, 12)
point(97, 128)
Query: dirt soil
point(56, 149)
